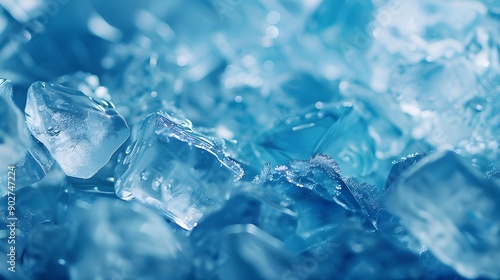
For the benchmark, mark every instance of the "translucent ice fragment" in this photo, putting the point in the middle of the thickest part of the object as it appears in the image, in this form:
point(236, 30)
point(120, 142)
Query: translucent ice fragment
point(372, 200)
point(315, 189)
point(440, 31)
point(33, 207)
point(113, 239)
point(42, 258)
point(321, 174)
point(387, 125)
point(277, 219)
point(399, 167)
point(14, 139)
point(80, 132)
point(436, 93)
point(242, 250)
point(352, 252)
point(338, 132)
point(176, 170)
point(450, 207)
point(33, 166)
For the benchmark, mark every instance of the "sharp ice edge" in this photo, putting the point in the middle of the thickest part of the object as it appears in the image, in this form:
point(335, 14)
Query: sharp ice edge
point(162, 170)
point(80, 132)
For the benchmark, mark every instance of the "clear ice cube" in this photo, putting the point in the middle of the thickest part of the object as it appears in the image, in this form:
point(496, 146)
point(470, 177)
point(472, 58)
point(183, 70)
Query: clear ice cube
point(80, 132)
point(181, 173)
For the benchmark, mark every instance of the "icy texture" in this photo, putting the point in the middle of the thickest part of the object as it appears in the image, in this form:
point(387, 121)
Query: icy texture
point(315, 190)
point(400, 166)
point(372, 200)
point(272, 215)
point(14, 139)
point(80, 132)
point(242, 250)
point(33, 207)
point(374, 86)
point(368, 254)
point(37, 162)
point(337, 131)
point(176, 170)
point(226, 242)
point(453, 210)
point(142, 246)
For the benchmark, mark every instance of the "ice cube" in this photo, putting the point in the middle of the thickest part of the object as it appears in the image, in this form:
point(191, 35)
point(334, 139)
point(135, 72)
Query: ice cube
point(451, 208)
point(80, 132)
point(181, 173)
point(315, 190)
point(33, 166)
point(372, 200)
point(14, 140)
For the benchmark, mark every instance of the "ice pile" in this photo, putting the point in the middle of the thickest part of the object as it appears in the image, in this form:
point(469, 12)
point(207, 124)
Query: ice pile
point(262, 139)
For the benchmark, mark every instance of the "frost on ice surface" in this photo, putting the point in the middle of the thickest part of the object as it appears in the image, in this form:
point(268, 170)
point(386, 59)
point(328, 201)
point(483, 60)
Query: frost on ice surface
point(80, 132)
point(315, 191)
point(183, 174)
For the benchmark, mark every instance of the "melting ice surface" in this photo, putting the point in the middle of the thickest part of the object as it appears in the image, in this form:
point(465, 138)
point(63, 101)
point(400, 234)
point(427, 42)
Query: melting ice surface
point(183, 174)
point(368, 132)
point(80, 132)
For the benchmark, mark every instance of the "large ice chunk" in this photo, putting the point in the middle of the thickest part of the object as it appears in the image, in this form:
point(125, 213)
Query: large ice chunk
point(14, 139)
point(173, 168)
point(450, 207)
point(80, 132)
